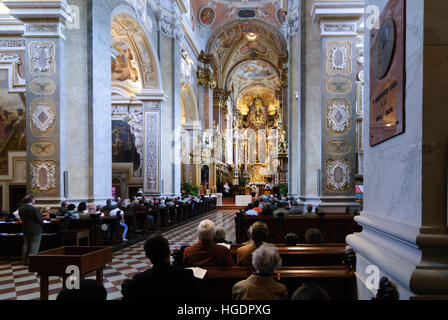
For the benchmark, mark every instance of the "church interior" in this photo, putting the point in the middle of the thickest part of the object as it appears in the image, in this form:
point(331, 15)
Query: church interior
point(208, 139)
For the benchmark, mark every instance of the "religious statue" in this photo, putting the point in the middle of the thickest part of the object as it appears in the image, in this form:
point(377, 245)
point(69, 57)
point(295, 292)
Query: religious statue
point(283, 143)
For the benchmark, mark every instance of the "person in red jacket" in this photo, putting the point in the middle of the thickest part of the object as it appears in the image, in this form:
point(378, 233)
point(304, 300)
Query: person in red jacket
point(206, 253)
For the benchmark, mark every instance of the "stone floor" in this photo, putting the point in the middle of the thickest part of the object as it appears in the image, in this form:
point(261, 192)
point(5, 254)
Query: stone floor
point(17, 283)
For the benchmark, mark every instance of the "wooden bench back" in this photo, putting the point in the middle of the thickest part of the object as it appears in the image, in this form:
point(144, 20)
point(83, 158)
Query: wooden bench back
point(306, 255)
point(338, 281)
point(334, 228)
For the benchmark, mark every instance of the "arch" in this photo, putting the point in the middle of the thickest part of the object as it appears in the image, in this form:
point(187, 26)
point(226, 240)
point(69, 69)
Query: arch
point(135, 67)
point(188, 106)
point(258, 72)
point(229, 46)
point(217, 35)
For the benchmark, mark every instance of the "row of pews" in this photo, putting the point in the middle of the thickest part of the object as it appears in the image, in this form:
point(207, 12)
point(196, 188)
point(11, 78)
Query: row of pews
point(90, 232)
point(334, 228)
point(325, 264)
point(138, 220)
point(329, 264)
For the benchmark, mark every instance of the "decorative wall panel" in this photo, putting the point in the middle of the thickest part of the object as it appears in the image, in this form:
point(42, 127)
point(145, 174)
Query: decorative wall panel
point(43, 148)
point(338, 174)
point(42, 58)
point(42, 86)
point(151, 183)
point(43, 117)
point(339, 115)
point(339, 58)
point(43, 176)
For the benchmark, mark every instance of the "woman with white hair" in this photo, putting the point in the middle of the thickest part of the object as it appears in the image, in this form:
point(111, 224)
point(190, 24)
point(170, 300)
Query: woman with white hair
point(261, 285)
point(206, 253)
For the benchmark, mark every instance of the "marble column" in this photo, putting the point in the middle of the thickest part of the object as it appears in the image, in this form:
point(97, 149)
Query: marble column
point(338, 104)
point(99, 100)
point(45, 104)
point(170, 34)
point(293, 106)
point(404, 219)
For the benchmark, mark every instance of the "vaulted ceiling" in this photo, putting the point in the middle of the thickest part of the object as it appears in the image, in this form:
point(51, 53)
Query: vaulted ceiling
point(230, 46)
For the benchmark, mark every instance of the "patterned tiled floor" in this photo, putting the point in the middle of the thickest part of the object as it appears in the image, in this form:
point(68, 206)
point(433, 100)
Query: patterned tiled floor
point(16, 283)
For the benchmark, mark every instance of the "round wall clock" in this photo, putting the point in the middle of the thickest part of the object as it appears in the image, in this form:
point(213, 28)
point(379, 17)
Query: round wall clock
point(384, 48)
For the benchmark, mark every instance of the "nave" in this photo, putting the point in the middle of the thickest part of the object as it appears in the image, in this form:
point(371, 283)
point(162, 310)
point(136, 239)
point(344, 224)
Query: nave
point(18, 284)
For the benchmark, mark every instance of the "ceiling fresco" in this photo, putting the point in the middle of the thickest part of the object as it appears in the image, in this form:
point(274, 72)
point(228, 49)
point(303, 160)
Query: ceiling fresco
point(230, 45)
point(253, 72)
point(213, 14)
point(133, 61)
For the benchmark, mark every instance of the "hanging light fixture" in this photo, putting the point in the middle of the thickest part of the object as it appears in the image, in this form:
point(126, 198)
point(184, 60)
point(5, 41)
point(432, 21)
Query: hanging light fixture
point(251, 36)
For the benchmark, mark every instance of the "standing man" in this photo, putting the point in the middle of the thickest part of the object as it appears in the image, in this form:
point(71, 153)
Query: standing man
point(32, 225)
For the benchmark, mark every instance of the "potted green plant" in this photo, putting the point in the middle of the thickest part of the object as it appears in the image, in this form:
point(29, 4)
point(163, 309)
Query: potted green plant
point(283, 189)
point(195, 191)
point(186, 188)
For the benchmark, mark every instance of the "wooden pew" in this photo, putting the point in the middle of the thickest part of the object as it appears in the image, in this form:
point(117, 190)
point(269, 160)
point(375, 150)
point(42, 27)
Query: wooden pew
point(11, 238)
point(129, 219)
point(306, 254)
point(142, 221)
point(334, 228)
point(173, 219)
point(338, 281)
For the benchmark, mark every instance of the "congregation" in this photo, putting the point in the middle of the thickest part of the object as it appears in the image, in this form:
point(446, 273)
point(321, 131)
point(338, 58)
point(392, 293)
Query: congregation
point(175, 280)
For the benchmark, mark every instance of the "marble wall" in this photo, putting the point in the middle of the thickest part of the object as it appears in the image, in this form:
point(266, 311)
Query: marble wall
point(405, 204)
point(393, 168)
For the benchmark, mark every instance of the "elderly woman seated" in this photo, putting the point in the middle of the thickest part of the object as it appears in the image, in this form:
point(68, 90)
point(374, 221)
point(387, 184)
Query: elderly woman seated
point(258, 235)
point(261, 285)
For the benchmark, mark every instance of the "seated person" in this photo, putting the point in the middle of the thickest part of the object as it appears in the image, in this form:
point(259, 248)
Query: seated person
point(63, 209)
point(250, 210)
point(89, 290)
point(206, 253)
point(309, 211)
point(71, 211)
point(259, 235)
point(163, 281)
point(109, 206)
point(295, 210)
point(114, 213)
point(99, 210)
point(257, 207)
point(220, 236)
point(82, 211)
point(46, 213)
point(260, 285)
point(274, 205)
point(91, 209)
point(313, 236)
point(267, 210)
point(310, 291)
point(280, 209)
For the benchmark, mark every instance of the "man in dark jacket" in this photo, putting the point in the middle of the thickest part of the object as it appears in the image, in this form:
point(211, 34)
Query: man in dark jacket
point(163, 281)
point(32, 225)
